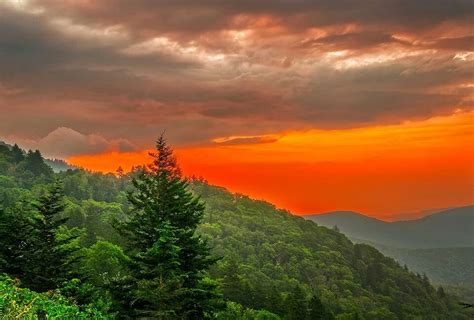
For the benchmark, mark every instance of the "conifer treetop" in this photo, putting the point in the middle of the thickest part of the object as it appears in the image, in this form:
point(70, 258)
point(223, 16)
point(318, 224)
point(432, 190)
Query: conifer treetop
point(164, 160)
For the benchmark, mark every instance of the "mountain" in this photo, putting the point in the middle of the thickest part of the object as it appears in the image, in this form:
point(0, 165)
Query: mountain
point(452, 266)
point(440, 245)
point(445, 229)
point(268, 260)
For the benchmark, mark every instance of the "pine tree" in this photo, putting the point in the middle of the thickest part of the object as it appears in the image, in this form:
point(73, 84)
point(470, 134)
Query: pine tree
point(16, 240)
point(169, 259)
point(17, 154)
point(34, 163)
point(52, 258)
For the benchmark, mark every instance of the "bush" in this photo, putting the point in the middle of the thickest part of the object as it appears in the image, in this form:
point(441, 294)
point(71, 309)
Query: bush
point(19, 303)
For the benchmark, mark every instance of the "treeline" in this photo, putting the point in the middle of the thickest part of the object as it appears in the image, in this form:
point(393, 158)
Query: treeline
point(143, 245)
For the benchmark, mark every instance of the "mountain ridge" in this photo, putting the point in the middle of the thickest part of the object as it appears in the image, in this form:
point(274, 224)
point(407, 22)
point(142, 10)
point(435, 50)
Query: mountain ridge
point(269, 259)
point(449, 228)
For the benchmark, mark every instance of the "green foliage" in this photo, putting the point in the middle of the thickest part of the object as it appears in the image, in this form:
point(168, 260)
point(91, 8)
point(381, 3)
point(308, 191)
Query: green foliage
point(17, 303)
point(51, 255)
point(275, 252)
point(442, 265)
point(317, 311)
point(235, 311)
point(17, 239)
point(102, 263)
point(273, 265)
point(169, 261)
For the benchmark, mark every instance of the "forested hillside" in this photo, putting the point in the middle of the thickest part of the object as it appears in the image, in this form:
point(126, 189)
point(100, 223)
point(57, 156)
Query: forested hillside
point(440, 245)
point(444, 265)
point(265, 263)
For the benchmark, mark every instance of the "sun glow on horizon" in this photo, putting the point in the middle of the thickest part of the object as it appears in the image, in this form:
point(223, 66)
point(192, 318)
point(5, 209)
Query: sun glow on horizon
point(382, 170)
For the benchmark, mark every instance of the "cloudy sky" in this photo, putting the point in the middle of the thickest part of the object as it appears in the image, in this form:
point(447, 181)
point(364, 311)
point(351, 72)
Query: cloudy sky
point(311, 95)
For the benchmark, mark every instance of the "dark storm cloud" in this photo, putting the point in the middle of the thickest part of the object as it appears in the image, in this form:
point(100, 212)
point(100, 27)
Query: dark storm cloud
point(347, 24)
point(204, 69)
point(190, 16)
point(31, 45)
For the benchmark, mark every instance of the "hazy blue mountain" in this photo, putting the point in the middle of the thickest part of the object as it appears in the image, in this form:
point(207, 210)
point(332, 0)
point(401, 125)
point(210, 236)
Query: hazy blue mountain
point(440, 245)
point(445, 229)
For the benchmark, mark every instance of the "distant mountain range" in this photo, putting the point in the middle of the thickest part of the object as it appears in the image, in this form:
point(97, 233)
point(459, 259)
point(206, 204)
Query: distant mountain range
point(445, 229)
point(440, 245)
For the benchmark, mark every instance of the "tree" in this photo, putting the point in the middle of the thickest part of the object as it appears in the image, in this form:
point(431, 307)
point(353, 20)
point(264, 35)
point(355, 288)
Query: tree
point(17, 154)
point(317, 311)
point(52, 258)
point(35, 164)
point(169, 261)
point(297, 306)
point(16, 239)
point(120, 172)
point(231, 282)
point(440, 292)
point(102, 262)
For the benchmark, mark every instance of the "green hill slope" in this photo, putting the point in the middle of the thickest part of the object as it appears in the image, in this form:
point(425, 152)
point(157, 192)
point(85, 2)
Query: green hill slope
point(451, 266)
point(270, 259)
point(275, 249)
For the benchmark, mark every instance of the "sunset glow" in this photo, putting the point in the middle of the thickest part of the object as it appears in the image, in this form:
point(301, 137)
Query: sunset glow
point(311, 105)
point(382, 171)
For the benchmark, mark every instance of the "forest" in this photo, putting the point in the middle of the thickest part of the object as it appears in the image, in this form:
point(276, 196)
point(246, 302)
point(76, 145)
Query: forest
point(153, 244)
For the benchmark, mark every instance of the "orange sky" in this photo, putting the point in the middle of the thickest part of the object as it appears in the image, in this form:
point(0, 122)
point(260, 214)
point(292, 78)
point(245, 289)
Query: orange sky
point(290, 102)
point(383, 171)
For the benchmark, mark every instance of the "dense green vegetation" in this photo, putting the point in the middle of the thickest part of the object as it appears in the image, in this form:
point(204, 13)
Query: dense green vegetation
point(137, 245)
point(443, 265)
point(449, 266)
point(20, 303)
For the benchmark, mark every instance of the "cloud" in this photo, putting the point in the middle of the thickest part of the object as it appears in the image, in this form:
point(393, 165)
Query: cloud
point(227, 68)
point(65, 142)
point(191, 21)
point(237, 140)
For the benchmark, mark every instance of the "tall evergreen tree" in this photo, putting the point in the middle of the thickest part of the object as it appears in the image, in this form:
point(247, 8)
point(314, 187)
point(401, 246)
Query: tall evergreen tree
point(16, 239)
point(17, 154)
point(34, 163)
point(169, 259)
point(52, 258)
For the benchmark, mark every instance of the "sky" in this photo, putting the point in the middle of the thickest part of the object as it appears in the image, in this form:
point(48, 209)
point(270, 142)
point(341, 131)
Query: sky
point(312, 105)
